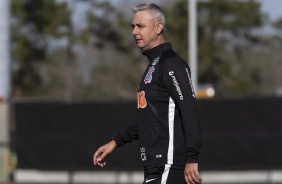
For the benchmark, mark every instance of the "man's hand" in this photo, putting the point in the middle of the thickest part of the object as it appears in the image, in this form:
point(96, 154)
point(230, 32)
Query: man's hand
point(191, 174)
point(102, 152)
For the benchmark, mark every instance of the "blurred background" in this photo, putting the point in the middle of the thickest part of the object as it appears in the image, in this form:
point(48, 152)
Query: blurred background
point(69, 71)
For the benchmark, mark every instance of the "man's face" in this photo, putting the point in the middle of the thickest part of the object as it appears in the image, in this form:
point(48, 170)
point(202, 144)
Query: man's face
point(145, 30)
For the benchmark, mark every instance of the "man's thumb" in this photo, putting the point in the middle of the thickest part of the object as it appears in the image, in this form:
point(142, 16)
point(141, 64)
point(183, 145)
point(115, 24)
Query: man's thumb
point(101, 157)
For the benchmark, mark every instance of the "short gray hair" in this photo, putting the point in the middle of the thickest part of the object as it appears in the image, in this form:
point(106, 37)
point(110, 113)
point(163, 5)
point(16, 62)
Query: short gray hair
point(155, 11)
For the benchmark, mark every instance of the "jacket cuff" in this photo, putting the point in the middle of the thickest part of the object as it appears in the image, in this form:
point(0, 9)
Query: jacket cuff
point(117, 140)
point(192, 160)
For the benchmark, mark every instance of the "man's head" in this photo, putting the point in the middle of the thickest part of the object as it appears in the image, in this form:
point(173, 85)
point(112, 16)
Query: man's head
point(148, 25)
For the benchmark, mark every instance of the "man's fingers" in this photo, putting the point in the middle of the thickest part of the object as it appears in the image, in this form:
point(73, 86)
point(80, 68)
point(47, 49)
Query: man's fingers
point(100, 160)
point(102, 156)
point(101, 164)
point(192, 175)
point(198, 177)
point(186, 178)
point(102, 152)
point(97, 156)
point(189, 178)
point(195, 177)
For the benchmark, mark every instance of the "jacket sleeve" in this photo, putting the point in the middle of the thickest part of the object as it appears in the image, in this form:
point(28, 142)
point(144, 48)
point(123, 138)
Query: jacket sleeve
point(128, 134)
point(177, 81)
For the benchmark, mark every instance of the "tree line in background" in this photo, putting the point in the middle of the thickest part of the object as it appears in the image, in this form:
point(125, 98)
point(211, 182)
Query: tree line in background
point(59, 53)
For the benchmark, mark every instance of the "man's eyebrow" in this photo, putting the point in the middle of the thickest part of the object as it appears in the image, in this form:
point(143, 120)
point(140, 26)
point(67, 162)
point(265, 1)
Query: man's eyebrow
point(138, 25)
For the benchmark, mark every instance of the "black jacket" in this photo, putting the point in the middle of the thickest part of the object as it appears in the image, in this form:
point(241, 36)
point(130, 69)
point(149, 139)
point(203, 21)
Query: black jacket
point(167, 122)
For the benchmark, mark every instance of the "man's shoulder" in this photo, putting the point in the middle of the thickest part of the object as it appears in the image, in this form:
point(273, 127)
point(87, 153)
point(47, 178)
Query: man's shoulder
point(169, 57)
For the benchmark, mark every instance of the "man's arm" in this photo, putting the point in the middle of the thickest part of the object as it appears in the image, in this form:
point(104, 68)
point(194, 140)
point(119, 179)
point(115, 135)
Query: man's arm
point(127, 135)
point(176, 79)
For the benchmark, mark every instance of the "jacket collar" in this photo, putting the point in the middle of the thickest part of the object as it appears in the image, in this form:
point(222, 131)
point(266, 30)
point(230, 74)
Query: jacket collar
point(157, 51)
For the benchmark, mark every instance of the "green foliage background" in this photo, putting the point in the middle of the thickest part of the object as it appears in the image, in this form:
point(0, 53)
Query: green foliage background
point(56, 57)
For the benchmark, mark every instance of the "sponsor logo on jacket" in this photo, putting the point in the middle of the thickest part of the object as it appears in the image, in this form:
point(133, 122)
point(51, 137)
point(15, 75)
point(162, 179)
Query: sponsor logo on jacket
point(176, 84)
point(156, 60)
point(143, 154)
point(141, 100)
point(190, 81)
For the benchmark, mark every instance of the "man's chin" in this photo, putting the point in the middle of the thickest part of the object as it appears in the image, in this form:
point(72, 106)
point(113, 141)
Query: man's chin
point(140, 47)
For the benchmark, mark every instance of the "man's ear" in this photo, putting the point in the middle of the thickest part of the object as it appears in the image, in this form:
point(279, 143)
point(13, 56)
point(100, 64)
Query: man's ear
point(159, 28)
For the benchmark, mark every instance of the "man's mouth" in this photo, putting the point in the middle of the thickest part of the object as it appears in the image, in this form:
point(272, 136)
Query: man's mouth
point(137, 40)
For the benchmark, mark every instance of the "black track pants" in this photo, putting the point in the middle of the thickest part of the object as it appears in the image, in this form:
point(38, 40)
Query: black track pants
point(163, 175)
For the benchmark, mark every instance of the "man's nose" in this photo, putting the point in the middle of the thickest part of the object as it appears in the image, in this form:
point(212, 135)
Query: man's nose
point(134, 31)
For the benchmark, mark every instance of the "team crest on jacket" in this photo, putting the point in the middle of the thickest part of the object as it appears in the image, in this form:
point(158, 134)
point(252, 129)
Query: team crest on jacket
point(156, 61)
point(149, 75)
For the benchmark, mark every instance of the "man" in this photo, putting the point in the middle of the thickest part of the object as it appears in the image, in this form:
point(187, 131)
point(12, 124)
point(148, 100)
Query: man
point(167, 123)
